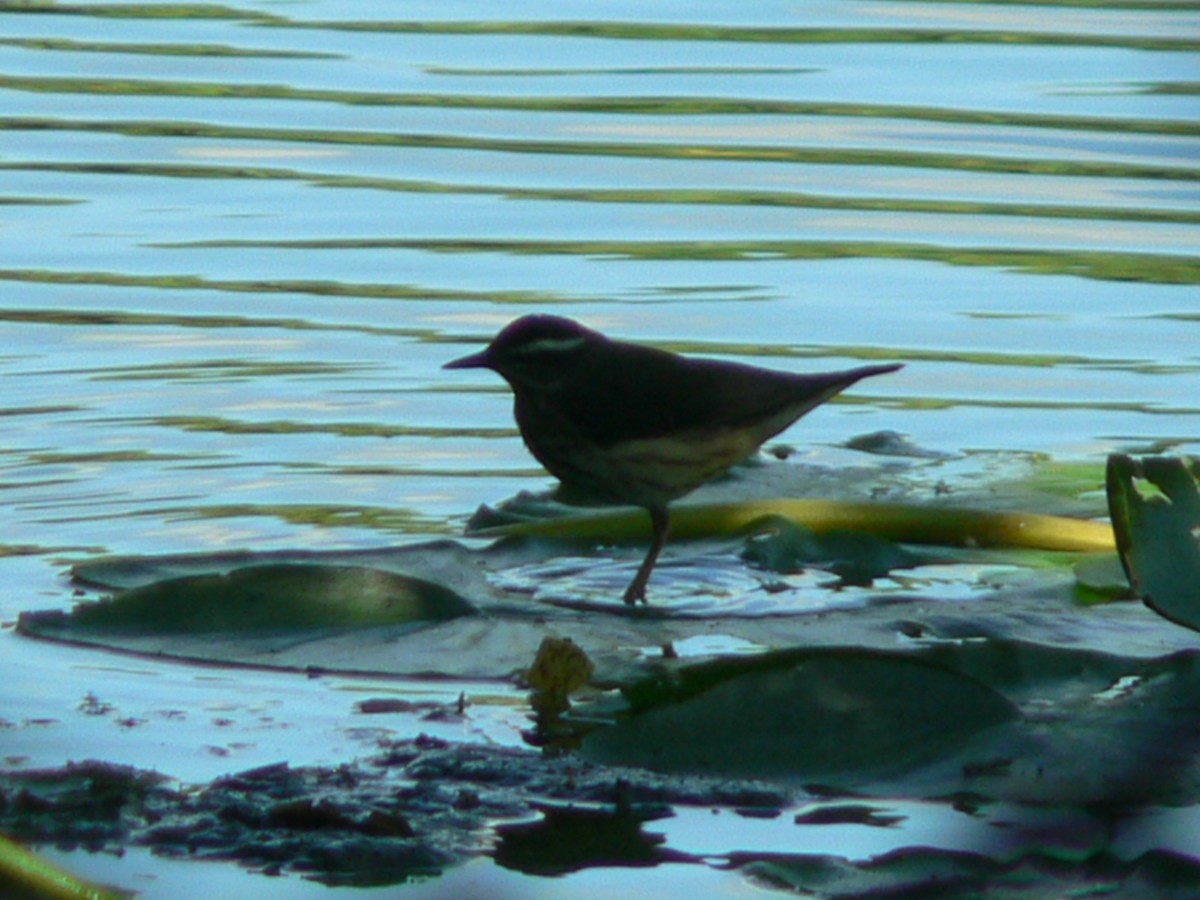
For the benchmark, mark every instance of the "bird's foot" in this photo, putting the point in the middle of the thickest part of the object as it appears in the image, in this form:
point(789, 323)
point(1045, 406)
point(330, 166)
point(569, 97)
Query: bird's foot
point(635, 593)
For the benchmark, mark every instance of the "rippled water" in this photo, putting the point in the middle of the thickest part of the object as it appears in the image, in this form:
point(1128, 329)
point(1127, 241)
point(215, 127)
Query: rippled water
point(240, 241)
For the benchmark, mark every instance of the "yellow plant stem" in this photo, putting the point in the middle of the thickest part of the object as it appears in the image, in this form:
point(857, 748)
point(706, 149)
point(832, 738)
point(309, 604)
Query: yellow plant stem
point(31, 876)
point(903, 523)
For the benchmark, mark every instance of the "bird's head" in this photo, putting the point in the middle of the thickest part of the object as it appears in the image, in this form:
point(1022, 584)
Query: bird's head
point(535, 350)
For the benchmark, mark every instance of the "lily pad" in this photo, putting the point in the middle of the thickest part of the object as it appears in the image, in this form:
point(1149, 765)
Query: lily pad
point(1012, 721)
point(1101, 577)
point(799, 714)
point(273, 598)
point(502, 639)
point(1155, 508)
point(933, 872)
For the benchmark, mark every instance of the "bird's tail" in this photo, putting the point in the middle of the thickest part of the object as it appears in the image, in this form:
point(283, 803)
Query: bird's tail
point(816, 389)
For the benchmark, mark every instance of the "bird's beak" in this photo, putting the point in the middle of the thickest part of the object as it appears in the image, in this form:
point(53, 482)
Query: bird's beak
point(474, 361)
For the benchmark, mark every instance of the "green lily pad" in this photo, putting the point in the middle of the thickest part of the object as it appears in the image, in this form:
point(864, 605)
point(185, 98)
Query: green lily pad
point(1155, 509)
point(272, 598)
point(799, 714)
point(1100, 578)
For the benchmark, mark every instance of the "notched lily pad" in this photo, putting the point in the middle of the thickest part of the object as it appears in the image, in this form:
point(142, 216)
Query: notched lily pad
point(1155, 509)
point(799, 714)
point(273, 598)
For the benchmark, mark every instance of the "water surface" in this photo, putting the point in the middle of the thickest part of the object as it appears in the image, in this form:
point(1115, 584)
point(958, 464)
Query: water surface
point(240, 241)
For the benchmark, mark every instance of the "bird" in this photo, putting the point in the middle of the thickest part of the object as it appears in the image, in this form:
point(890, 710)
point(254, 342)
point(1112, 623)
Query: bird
point(629, 424)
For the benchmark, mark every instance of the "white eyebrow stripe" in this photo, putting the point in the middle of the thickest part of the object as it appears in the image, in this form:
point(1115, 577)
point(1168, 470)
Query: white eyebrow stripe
point(550, 345)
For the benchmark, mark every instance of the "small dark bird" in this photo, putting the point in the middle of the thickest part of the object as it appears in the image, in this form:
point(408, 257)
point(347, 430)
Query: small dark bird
point(628, 424)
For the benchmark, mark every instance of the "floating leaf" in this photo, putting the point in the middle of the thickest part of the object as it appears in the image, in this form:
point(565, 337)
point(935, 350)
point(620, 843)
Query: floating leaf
point(272, 598)
point(440, 561)
point(921, 871)
point(1100, 577)
point(1155, 508)
point(799, 714)
point(502, 639)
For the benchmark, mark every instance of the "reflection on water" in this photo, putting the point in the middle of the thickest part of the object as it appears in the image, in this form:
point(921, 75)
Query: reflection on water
point(240, 241)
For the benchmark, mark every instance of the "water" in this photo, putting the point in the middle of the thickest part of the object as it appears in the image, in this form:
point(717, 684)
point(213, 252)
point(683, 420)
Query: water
point(240, 241)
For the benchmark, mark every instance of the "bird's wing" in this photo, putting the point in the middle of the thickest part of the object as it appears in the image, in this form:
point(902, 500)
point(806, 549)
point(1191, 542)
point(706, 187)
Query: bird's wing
point(643, 393)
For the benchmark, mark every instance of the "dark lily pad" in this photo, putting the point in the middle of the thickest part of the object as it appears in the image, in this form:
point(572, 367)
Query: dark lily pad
point(503, 638)
point(1155, 508)
point(270, 598)
point(799, 714)
point(934, 872)
point(1101, 577)
point(442, 562)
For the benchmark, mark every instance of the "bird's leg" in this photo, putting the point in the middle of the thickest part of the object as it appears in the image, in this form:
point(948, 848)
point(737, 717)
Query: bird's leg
point(660, 521)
